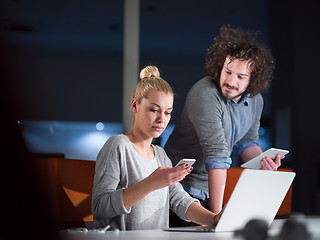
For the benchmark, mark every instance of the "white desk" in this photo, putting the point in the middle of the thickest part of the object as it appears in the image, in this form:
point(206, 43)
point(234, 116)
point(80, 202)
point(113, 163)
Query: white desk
point(313, 225)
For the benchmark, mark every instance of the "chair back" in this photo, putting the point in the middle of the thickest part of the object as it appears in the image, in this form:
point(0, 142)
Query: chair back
point(71, 182)
point(233, 175)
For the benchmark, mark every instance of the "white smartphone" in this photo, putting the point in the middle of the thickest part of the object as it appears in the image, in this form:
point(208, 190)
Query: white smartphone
point(190, 161)
point(255, 163)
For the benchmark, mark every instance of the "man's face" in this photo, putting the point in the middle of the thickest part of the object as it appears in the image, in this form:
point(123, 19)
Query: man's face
point(234, 78)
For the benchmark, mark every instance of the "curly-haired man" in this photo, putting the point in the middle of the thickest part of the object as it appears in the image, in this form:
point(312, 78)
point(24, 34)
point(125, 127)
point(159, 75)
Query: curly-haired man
point(222, 114)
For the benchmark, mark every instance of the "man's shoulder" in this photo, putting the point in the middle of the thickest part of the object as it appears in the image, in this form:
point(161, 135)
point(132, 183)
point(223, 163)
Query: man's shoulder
point(257, 98)
point(205, 85)
point(207, 82)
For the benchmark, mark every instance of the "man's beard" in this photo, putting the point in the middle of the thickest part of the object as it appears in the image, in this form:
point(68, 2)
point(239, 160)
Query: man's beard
point(232, 87)
point(227, 96)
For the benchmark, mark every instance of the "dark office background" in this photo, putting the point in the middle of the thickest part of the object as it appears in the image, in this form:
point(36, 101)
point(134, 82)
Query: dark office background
point(64, 59)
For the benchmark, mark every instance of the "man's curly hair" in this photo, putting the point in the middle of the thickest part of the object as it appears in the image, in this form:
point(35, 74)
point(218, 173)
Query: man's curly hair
point(241, 45)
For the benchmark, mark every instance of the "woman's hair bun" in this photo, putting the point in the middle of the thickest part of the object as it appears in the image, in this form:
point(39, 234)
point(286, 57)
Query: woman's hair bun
point(150, 80)
point(149, 71)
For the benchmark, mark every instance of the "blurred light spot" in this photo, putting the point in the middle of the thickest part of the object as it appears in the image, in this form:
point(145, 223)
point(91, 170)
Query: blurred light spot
point(262, 131)
point(99, 126)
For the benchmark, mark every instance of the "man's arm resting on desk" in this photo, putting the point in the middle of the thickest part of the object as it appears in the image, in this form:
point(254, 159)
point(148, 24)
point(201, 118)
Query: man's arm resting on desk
point(217, 173)
point(217, 181)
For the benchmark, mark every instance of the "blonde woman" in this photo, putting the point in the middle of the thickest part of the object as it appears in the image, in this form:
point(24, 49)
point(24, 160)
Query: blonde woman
point(135, 184)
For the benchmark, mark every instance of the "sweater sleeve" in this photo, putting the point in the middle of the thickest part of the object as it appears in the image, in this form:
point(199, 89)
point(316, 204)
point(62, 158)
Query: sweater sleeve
point(251, 137)
point(204, 109)
point(107, 192)
point(253, 134)
point(180, 200)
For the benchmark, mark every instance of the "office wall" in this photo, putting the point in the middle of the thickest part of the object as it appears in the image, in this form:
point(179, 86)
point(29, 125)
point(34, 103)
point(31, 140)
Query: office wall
point(65, 63)
point(66, 56)
point(293, 38)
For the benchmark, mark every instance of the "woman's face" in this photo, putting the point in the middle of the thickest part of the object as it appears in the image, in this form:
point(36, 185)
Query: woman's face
point(153, 114)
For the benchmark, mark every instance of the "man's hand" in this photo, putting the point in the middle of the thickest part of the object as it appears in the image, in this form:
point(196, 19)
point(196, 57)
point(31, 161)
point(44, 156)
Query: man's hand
point(268, 163)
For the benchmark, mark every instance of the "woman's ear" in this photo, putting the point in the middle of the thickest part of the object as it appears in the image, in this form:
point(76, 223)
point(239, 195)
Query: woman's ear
point(134, 105)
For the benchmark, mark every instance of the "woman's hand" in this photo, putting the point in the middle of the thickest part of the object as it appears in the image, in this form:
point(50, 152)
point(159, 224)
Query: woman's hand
point(268, 163)
point(200, 215)
point(160, 178)
point(166, 176)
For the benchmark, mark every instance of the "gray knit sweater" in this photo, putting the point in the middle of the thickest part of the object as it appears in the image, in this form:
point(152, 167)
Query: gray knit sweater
point(210, 128)
point(118, 166)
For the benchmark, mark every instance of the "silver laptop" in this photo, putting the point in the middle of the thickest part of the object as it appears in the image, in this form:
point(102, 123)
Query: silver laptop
point(258, 194)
